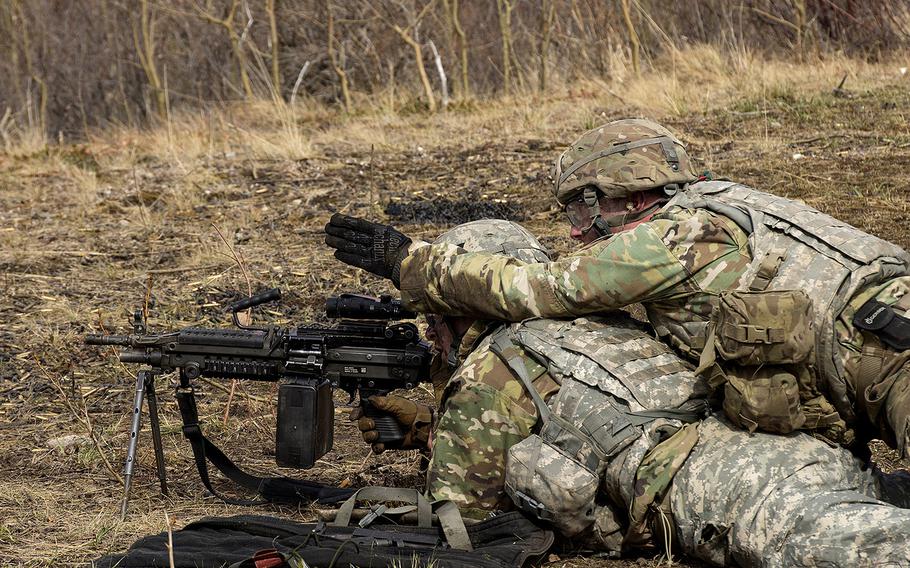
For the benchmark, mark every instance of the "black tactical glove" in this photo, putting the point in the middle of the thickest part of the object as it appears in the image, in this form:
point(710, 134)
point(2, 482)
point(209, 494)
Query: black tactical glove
point(372, 246)
point(415, 418)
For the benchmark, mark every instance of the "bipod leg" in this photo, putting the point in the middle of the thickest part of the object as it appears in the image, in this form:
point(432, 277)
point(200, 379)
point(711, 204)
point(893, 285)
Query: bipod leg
point(152, 401)
point(141, 379)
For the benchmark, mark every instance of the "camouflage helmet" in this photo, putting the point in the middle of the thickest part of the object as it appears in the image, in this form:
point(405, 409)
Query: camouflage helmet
point(496, 236)
point(620, 158)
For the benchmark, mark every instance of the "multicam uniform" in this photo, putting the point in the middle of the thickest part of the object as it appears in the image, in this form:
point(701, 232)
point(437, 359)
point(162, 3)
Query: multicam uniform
point(484, 410)
point(753, 500)
point(677, 265)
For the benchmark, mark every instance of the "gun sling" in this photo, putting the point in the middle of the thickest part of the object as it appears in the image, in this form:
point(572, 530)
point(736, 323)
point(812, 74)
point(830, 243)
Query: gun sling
point(272, 489)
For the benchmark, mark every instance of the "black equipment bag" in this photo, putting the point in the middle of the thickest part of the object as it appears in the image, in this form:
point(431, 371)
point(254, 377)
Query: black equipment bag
point(504, 541)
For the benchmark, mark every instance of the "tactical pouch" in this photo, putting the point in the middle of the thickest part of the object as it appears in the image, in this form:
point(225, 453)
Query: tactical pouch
point(548, 484)
point(762, 327)
point(881, 319)
point(763, 398)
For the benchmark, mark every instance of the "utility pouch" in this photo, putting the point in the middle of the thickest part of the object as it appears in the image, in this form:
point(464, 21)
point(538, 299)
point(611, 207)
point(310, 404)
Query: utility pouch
point(551, 486)
point(763, 398)
point(762, 327)
point(881, 319)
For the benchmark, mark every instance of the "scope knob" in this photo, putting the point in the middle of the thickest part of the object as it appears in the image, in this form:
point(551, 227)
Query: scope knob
point(192, 370)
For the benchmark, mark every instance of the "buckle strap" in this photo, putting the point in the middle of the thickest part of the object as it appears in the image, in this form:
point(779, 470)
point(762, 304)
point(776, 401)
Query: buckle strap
point(870, 367)
point(450, 520)
point(399, 494)
point(621, 149)
point(767, 270)
point(453, 525)
point(754, 333)
point(501, 344)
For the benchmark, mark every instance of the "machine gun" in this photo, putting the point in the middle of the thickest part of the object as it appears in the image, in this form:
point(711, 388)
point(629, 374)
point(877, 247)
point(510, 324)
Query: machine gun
point(364, 354)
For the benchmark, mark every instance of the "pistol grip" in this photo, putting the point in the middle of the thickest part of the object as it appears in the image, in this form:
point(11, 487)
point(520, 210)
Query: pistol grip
point(390, 432)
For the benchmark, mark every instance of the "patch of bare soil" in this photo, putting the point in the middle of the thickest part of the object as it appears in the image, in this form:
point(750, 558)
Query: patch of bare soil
point(85, 239)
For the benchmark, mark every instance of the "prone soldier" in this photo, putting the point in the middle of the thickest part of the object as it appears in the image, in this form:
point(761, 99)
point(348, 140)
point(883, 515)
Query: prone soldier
point(599, 429)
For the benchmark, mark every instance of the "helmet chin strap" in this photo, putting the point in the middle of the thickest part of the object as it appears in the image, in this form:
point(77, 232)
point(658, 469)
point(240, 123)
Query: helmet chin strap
point(604, 227)
point(634, 215)
point(598, 224)
point(454, 347)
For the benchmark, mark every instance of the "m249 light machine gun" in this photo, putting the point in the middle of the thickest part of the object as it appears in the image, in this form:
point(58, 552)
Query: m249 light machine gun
point(365, 354)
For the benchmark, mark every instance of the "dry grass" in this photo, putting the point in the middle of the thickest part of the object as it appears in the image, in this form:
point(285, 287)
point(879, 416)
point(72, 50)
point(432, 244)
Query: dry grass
point(84, 227)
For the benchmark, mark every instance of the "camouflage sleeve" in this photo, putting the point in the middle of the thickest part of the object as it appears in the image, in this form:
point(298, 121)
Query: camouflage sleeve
point(480, 421)
point(630, 267)
point(470, 447)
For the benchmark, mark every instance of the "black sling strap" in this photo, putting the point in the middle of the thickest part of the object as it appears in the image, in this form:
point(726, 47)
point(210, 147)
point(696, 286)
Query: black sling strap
point(272, 489)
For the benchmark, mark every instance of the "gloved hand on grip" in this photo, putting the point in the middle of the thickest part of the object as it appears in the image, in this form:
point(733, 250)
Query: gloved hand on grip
point(416, 421)
point(375, 247)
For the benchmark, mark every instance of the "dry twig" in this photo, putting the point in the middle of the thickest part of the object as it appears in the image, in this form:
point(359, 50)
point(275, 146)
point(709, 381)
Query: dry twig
point(170, 539)
point(81, 417)
point(248, 314)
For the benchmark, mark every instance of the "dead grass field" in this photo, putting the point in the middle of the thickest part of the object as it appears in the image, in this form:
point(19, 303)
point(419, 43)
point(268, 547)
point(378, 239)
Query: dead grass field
point(87, 229)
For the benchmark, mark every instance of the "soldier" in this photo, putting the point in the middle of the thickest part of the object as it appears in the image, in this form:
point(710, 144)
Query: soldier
point(597, 428)
point(800, 317)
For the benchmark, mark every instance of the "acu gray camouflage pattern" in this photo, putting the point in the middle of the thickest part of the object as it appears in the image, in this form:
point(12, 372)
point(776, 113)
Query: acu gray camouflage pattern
point(611, 374)
point(496, 236)
point(828, 259)
point(783, 501)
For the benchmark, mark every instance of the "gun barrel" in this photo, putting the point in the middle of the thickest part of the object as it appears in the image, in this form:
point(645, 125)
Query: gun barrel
point(99, 339)
point(135, 356)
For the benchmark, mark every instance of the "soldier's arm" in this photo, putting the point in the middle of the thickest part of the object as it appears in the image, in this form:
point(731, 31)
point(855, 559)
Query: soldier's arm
point(471, 444)
point(631, 267)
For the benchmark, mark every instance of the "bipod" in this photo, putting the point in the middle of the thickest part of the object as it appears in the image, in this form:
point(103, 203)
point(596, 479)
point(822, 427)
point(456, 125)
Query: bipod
point(145, 389)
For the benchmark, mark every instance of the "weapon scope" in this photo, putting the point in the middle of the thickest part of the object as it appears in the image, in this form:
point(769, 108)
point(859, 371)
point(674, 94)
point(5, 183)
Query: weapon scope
point(356, 306)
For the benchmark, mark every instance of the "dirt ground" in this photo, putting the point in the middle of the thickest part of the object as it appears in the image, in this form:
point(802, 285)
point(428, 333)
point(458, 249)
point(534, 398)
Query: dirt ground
point(90, 232)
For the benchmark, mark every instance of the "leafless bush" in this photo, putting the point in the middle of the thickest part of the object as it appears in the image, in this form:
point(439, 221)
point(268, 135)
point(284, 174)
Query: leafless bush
point(71, 66)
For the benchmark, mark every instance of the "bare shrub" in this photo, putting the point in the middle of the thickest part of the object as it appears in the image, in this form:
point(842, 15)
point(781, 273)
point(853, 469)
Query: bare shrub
point(72, 66)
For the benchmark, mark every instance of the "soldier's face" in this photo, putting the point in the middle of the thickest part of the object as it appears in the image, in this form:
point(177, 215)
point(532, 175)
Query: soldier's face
point(582, 222)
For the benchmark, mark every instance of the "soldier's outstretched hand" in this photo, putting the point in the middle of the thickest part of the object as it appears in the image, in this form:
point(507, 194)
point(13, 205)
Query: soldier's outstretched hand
point(374, 247)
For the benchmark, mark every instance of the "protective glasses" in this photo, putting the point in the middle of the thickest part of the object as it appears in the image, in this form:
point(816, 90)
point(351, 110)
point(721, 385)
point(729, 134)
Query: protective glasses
point(579, 213)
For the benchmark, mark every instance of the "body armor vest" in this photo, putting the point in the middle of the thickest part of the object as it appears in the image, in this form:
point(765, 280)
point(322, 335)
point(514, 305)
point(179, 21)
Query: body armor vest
point(616, 380)
point(796, 247)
